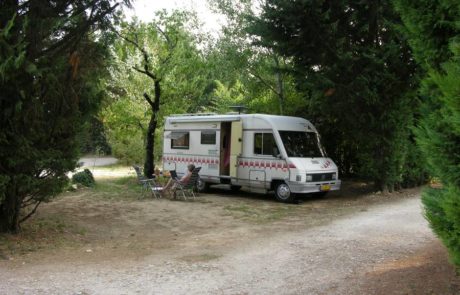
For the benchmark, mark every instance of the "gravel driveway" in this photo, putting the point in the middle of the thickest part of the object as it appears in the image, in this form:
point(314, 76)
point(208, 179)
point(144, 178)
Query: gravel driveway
point(341, 257)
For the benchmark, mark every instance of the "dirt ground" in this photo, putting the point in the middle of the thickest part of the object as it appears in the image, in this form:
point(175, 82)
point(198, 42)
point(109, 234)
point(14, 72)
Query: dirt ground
point(107, 241)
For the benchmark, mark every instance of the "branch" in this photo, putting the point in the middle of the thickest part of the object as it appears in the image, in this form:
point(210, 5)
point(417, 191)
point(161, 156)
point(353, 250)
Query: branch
point(168, 40)
point(31, 213)
point(79, 31)
point(149, 100)
point(145, 55)
point(171, 45)
point(27, 202)
point(148, 73)
point(135, 43)
point(264, 82)
point(140, 125)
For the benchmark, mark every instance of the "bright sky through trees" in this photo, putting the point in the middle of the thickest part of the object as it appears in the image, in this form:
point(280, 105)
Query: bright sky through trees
point(145, 9)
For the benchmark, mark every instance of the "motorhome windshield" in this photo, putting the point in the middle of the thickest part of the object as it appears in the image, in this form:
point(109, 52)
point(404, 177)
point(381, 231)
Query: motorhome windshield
point(301, 144)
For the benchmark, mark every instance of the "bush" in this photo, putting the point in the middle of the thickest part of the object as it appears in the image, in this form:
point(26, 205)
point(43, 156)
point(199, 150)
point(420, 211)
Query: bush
point(84, 177)
point(441, 210)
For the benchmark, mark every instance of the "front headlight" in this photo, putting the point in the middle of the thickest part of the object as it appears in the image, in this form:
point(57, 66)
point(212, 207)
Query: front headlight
point(309, 177)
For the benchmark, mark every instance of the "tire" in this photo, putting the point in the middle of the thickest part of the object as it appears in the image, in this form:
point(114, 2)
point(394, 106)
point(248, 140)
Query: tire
point(283, 193)
point(202, 186)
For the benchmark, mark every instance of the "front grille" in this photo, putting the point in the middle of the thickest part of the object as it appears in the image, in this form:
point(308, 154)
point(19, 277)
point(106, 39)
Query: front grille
point(322, 176)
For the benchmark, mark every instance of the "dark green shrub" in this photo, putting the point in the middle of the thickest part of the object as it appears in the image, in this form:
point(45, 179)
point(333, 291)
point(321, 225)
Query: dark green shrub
point(433, 32)
point(84, 177)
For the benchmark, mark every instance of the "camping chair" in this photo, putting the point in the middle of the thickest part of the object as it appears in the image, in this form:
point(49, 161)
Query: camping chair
point(173, 175)
point(186, 188)
point(148, 184)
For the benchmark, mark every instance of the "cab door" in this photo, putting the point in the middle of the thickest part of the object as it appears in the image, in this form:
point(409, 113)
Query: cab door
point(236, 147)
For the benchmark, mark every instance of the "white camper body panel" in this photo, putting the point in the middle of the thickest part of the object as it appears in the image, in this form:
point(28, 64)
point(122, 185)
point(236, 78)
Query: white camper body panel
point(211, 142)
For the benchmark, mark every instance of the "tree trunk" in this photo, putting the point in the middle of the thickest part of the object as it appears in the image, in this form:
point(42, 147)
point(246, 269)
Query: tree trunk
point(10, 210)
point(149, 165)
point(279, 85)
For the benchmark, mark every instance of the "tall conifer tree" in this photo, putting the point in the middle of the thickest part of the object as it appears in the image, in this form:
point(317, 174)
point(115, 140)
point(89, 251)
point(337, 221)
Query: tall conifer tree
point(357, 73)
point(49, 75)
point(433, 31)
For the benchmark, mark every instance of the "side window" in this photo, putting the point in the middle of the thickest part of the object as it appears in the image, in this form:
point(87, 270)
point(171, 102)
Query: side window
point(264, 144)
point(180, 140)
point(208, 137)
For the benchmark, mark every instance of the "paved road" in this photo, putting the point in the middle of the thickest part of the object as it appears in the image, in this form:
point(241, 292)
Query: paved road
point(97, 161)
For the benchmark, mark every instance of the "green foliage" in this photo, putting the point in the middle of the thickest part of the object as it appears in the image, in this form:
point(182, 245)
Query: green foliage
point(434, 34)
point(84, 177)
point(50, 65)
point(355, 71)
point(414, 171)
point(429, 25)
point(93, 139)
point(174, 57)
point(441, 210)
point(262, 77)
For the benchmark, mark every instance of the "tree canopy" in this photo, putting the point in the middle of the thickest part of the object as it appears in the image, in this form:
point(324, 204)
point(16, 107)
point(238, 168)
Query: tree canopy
point(378, 79)
point(356, 72)
point(433, 31)
point(51, 58)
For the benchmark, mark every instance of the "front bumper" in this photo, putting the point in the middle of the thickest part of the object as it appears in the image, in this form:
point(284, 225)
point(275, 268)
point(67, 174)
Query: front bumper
point(312, 187)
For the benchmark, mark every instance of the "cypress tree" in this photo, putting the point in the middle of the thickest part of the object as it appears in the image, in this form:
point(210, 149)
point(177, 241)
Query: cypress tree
point(49, 75)
point(434, 34)
point(357, 73)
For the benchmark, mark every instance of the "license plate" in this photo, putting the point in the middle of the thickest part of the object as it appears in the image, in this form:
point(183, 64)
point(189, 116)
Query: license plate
point(325, 187)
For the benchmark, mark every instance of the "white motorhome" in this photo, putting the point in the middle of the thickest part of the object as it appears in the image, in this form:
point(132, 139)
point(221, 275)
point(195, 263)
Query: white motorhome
point(255, 151)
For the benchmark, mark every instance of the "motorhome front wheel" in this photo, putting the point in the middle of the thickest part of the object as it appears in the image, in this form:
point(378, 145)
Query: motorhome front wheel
point(283, 192)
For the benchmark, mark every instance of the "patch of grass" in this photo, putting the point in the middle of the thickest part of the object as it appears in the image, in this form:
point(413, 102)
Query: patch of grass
point(41, 233)
point(118, 188)
point(259, 214)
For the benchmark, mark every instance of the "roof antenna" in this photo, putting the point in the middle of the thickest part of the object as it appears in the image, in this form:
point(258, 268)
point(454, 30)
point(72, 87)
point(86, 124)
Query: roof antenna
point(238, 108)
